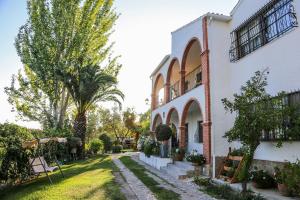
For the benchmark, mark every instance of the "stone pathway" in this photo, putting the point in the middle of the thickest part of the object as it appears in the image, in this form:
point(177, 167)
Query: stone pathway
point(140, 190)
point(186, 188)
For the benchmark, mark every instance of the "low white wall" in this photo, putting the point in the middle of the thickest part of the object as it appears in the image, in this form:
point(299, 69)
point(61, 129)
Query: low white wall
point(154, 161)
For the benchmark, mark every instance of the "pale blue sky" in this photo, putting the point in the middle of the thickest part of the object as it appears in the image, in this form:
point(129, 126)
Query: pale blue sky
point(142, 36)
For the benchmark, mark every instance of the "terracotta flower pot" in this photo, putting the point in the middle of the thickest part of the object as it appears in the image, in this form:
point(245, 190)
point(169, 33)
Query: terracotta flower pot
point(283, 189)
point(179, 157)
point(195, 164)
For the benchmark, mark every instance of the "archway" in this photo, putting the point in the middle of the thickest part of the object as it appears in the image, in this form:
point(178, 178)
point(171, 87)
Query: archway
point(173, 80)
point(156, 121)
point(192, 131)
point(158, 91)
point(173, 122)
point(191, 66)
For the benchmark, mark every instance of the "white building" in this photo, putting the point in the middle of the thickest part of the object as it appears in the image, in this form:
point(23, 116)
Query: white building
point(211, 58)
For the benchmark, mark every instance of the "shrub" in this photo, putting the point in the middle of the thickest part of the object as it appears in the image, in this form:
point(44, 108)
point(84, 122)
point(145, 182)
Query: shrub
point(163, 132)
point(8, 129)
point(117, 148)
point(151, 147)
point(96, 145)
point(289, 175)
point(261, 178)
point(141, 142)
point(238, 152)
point(14, 166)
point(194, 157)
point(14, 159)
point(106, 142)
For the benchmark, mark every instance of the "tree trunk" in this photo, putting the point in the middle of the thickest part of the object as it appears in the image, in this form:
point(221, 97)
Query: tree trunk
point(80, 131)
point(63, 110)
point(247, 164)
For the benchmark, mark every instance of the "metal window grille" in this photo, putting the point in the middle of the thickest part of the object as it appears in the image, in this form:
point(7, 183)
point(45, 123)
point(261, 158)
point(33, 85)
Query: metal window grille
point(291, 99)
point(272, 21)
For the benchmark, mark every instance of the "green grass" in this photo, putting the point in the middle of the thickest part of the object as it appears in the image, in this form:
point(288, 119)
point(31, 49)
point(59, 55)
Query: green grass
point(88, 179)
point(140, 172)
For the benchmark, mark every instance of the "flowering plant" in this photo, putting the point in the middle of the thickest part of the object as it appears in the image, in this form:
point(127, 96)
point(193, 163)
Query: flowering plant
point(194, 157)
point(261, 178)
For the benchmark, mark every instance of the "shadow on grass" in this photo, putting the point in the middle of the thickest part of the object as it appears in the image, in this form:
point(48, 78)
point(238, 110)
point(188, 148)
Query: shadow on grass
point(70, 170)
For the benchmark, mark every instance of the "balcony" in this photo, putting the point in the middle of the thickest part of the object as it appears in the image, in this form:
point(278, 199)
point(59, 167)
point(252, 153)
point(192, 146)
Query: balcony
point(193, 79)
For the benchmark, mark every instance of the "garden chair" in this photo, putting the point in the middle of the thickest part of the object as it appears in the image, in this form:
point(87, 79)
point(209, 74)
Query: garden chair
point(39, 165)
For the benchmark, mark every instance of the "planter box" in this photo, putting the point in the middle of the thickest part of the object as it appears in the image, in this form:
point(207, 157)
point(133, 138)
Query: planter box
point(154, 161)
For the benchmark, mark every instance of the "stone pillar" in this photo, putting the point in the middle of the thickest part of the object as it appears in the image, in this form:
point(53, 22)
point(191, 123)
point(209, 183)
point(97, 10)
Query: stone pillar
point(182, 82)
point(183, 136)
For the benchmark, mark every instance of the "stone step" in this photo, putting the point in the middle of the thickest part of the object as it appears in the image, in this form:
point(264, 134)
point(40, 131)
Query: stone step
point(184, 165)
point(174, 171)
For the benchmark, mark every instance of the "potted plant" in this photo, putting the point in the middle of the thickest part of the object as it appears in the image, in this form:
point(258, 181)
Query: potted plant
point(288, 179)
point(261, 179)
point(237, 154)
point(195, 158)
point(178, 154)
point(163, 134)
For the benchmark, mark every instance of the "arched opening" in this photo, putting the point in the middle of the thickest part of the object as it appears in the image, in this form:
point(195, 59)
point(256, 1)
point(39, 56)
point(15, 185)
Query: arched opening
point(157, 121)
point(159, 91)
point(173, 122)
point(173, 80)
point(192, 120)
point(192, 66)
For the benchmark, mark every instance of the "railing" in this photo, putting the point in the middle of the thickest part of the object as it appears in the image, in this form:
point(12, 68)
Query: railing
point(174, 90)
point(193, 79)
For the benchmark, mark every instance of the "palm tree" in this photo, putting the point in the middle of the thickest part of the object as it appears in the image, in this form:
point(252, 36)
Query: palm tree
point(88, 85)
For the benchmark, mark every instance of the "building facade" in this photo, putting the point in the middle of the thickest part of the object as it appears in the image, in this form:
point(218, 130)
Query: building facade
point(210, 59)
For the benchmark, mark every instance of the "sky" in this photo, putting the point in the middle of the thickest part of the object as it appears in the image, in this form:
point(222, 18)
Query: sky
point(142, 38)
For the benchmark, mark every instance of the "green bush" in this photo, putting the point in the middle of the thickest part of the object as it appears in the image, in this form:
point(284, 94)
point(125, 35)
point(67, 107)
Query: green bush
point(8, 129)
point(163, 132)
point(117, 148)
point(261, 178)
point(289, 175)
point(194, 157)
point(14, 159)
point(106, 142)
point(14, 166)
point(96, 145)
point(151, 147)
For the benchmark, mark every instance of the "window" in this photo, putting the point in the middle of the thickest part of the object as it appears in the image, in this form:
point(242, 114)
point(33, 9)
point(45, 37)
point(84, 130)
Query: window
point(273, 20)
point(293, 100)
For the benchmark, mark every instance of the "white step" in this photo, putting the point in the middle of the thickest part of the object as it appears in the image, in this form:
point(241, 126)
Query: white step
point(185, 165)
point(174, 171)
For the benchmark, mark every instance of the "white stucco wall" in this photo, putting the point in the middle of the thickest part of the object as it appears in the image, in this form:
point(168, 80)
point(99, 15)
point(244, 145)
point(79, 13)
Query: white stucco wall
point(280, 56)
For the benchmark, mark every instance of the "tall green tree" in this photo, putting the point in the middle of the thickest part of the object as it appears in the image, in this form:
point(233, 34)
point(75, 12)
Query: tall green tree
point(256, 112)
point(89, 85)
point(66, 44)
point(29, 96)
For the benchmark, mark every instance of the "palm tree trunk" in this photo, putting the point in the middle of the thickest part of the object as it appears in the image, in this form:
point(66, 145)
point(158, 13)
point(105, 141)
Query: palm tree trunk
point(80, 131)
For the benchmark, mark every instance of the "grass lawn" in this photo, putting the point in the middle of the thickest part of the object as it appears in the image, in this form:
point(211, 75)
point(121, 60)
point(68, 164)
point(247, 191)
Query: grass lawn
point(88, 179)
point(138, 170)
